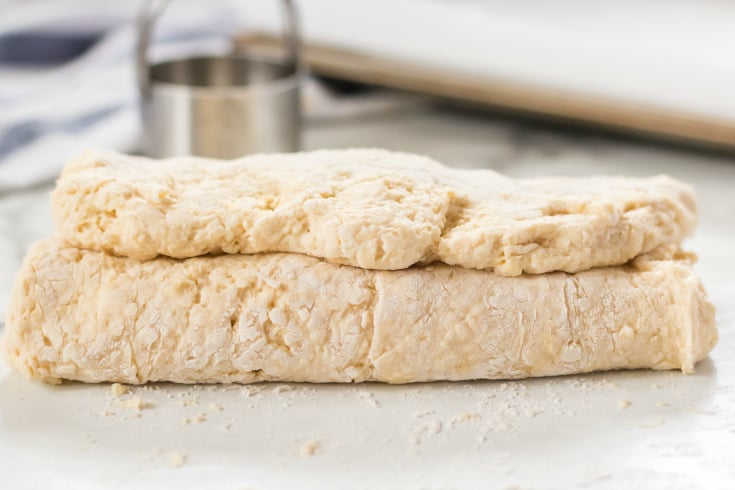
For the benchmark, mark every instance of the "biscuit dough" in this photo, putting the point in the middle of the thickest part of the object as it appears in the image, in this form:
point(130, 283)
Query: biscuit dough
point(373, 209)
point(89, 316)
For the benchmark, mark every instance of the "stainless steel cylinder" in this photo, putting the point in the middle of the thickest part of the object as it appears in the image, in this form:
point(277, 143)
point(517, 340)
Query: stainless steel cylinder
point(220, 106)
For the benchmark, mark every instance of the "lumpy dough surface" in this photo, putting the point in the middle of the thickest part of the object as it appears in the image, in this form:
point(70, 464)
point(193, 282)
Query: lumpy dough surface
point(368, 208)
point(89, 316)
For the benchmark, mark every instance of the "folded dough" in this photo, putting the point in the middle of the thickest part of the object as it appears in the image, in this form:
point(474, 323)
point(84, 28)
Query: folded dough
point(367, 208)
point(89, 316)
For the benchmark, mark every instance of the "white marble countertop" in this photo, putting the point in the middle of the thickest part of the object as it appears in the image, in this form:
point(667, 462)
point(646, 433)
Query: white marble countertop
point(574, 432)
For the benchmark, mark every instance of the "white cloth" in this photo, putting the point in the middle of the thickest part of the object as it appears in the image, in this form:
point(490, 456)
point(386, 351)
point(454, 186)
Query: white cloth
point(56, 108)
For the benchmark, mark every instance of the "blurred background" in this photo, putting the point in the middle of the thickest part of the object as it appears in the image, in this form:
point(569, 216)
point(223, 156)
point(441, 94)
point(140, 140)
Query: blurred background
point(659, 70)
point(527, 88)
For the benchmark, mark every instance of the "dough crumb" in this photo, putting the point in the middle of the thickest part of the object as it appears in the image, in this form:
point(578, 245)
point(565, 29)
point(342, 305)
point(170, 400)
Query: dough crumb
point(462, 418)
point(662, 404)
point(283, 388)
point(430, 428)
point(310, 448)
point(215, 407)
point(624, 404)
point(435, 427)
point(177, 459)
point(418, 415)
point(369, 399)
point(106, 413)
point(136, 403)
point(250, 391)
point(118, 390)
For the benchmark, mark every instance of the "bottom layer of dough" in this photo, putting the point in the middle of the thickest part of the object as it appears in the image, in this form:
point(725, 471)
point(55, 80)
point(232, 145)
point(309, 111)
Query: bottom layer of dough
point(92, 317)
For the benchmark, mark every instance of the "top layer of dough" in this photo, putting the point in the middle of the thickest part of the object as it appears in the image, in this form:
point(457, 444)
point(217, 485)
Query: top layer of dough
point(369, 208)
